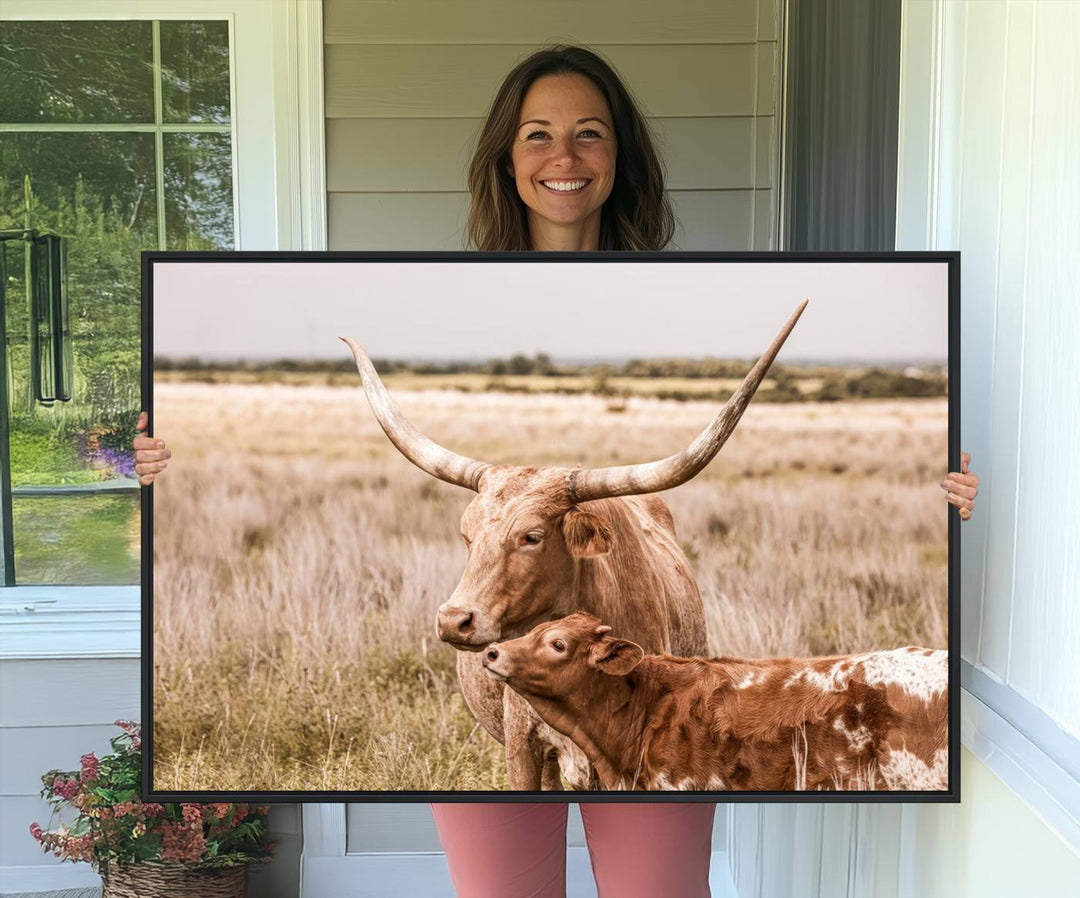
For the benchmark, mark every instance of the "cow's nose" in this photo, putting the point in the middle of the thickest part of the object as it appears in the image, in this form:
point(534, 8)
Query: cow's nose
point(492, 653)
point(453, 623)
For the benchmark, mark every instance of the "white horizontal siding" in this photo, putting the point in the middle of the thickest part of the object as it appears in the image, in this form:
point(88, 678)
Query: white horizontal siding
point(529, 23)
point(63, 693)
point(52, 713)
point(29, 751)
point(392, 221)
point(411, 81)
point(408, 83)
point(380, 155)
point(713, 219)
point(707, 219)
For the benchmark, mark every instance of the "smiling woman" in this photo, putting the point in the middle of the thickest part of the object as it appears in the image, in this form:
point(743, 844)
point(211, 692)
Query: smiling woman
point(563, 117)
point(563, 160)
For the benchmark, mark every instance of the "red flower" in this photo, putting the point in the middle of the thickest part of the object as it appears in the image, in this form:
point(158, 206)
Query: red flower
point(181, 841)
point(89, 768)
point(123, 808)
point(192, 813)
point(35, 831)
point(65, 788)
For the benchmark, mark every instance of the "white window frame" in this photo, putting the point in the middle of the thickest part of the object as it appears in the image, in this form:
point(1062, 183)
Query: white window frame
point(279, 196)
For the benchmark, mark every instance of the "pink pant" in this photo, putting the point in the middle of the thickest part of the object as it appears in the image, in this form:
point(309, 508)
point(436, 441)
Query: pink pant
point(519, 850)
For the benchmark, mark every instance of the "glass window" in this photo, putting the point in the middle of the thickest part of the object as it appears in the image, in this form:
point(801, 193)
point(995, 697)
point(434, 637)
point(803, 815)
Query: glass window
point(198, 192)
point(66, 72)
point(116, 136)
point(195, 71)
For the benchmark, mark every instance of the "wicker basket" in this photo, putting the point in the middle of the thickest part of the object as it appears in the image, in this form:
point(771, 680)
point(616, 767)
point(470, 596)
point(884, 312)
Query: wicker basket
point(174, 881)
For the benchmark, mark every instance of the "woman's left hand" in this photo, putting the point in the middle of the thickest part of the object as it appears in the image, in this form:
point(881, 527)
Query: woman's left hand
point(962, 487)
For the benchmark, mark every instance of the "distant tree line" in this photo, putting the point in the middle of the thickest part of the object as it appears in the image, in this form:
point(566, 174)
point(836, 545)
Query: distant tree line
point(516, 365)
point(785, 383)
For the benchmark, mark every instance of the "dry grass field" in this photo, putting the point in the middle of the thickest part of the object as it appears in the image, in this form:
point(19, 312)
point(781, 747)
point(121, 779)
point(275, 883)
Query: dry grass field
point(299, 561)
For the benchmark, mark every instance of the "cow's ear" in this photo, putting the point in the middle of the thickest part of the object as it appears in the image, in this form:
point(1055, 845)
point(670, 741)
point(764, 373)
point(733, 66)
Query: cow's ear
point(587, 534)
point(616, 656)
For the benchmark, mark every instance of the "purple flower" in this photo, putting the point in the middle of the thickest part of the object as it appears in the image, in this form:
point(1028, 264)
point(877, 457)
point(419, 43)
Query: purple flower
point(121, 462)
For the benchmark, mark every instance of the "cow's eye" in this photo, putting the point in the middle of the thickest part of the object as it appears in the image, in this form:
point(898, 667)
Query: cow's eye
point(532, 538)
point(558, 645)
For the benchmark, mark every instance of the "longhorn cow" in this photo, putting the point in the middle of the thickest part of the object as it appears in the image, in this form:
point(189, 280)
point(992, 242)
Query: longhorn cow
point(546, 541)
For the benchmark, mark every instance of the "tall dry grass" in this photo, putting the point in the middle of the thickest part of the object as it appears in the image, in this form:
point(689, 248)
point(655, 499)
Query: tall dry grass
point(299, 561)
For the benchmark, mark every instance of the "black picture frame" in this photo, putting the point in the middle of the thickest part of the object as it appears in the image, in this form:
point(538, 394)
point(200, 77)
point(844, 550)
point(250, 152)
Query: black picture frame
point(950, 259)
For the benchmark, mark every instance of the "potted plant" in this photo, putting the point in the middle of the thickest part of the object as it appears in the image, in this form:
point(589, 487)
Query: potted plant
point(145, 849)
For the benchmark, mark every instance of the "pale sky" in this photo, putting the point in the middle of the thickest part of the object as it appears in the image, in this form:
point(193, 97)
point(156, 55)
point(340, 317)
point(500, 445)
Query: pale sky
point(478, 310)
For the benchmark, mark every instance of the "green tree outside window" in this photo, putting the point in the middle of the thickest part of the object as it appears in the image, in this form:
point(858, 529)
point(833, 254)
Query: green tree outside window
point(118, 136)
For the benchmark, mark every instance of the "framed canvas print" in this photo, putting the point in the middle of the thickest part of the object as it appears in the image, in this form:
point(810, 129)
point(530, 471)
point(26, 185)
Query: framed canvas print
point(482, 527)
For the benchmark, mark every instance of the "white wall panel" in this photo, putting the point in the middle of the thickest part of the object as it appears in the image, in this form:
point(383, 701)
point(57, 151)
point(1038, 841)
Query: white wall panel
point(981, 83)
point(376, 826)
point(1013, 224)
point(1008, 196)
point(1046, 625)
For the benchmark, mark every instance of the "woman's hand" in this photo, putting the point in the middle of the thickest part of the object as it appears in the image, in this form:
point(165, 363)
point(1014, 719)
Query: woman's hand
point(962, 488)
point(151, 456)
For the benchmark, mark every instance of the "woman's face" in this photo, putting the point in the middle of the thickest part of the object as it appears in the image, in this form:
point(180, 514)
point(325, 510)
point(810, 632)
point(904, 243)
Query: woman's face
point(563, 154)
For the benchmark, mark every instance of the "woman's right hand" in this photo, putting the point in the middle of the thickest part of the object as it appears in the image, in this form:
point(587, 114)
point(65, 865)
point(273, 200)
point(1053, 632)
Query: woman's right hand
point(151, 456)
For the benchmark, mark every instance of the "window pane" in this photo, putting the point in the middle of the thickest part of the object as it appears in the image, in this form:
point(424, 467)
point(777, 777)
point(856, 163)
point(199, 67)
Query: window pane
point(78, 540)
point(98, 191)
point(198, 192)
point(76, 72)
point(195, 71)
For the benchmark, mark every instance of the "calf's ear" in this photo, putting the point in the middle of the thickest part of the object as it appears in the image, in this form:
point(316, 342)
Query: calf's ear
point(587, 534)
point(616, 656)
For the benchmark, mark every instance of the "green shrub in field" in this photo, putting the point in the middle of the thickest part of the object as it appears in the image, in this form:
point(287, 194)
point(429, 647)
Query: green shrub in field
point(879, 383)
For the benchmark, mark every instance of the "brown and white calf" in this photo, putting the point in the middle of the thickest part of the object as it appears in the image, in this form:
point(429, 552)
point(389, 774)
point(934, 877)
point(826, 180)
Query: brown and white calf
point(877, 720)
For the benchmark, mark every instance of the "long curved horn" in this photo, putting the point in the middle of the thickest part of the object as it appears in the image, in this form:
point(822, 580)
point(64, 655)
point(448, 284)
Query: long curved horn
point(651, 477)
point(425, 453)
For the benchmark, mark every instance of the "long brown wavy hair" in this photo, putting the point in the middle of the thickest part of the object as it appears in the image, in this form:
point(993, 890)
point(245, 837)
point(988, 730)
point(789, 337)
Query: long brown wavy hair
point(637, 214)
